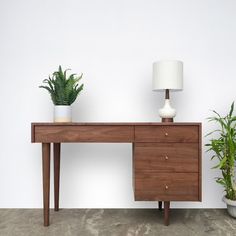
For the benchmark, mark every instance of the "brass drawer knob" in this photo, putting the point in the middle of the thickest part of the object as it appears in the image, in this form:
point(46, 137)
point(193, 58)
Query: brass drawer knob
point(167, 187)
point(166, 134)
point(166, 157)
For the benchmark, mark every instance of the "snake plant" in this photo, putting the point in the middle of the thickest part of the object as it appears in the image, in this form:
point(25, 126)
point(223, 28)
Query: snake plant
point(224, 150)
point(62, 88)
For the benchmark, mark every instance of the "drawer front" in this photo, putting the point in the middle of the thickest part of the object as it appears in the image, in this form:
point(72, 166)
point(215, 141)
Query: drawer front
point(166, 157)
point(84, 133)
point(167, 133)
point(167, 187)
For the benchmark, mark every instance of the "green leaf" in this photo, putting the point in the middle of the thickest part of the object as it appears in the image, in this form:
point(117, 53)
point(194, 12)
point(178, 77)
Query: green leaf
point(223, 147)
point(63, 90)
point(231, 109)
point(217, 130)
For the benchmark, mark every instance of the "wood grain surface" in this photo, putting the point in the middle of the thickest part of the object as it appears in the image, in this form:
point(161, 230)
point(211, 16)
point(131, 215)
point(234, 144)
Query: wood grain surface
point(77, 133)
point(166, 157)
point(167, 133)
point(166, 186)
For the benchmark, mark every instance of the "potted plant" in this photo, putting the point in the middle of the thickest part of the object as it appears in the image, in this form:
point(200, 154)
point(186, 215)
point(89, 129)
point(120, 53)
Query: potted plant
point(223, 146)
point(63, 90)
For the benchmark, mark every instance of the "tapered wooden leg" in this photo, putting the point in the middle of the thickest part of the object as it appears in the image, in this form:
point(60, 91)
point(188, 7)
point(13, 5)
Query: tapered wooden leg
point(56, 154)
point(46, 181)
point(160, 205)
point(166, 212)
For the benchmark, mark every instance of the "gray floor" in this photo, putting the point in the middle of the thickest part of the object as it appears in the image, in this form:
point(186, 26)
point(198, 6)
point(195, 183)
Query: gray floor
point(114, 222)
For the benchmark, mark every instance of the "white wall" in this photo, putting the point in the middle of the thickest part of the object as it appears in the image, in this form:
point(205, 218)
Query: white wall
point(114, 44)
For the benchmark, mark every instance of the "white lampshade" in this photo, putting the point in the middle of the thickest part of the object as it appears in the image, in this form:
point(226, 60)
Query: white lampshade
point(168, 75)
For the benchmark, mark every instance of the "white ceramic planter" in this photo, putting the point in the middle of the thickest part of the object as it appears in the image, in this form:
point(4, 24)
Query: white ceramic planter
point(62, 114)
point(231, 206)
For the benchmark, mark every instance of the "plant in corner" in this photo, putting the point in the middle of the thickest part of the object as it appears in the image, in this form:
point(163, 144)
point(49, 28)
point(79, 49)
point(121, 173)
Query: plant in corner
point(63, 90)
point(223, 146)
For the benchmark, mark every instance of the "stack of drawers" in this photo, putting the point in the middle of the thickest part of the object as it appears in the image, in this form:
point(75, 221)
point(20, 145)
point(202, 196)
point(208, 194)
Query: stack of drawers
point(167, 162)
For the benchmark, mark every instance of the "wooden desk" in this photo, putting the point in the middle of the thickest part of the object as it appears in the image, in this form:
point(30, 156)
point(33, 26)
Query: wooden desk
point(166, 157)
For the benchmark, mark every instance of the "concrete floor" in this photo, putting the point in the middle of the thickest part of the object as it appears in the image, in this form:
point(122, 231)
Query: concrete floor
point(116, 222)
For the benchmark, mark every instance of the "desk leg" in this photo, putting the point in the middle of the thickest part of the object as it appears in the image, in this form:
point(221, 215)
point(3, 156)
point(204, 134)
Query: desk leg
point(46, 181)
point(56, 154)
point(166, 212)
point(160, 205)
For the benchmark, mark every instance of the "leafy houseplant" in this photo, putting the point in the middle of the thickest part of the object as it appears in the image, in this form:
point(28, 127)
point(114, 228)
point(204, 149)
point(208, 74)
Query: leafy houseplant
point(63, 90)
point(224, 150)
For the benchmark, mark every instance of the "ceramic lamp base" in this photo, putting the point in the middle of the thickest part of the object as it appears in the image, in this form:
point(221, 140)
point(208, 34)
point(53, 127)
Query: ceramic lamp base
point(167, 112)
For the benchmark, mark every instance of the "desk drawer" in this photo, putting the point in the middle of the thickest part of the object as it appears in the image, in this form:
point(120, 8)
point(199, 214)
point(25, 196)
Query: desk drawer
point(167, 187)
point(166, 157)
point(83, 133)
point(167, 133)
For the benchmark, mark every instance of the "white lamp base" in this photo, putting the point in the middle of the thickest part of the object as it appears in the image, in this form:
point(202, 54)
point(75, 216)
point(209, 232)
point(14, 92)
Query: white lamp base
point(167, 111)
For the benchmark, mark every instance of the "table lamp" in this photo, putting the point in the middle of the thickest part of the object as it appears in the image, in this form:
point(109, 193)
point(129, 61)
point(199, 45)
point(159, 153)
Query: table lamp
point(167, 75)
